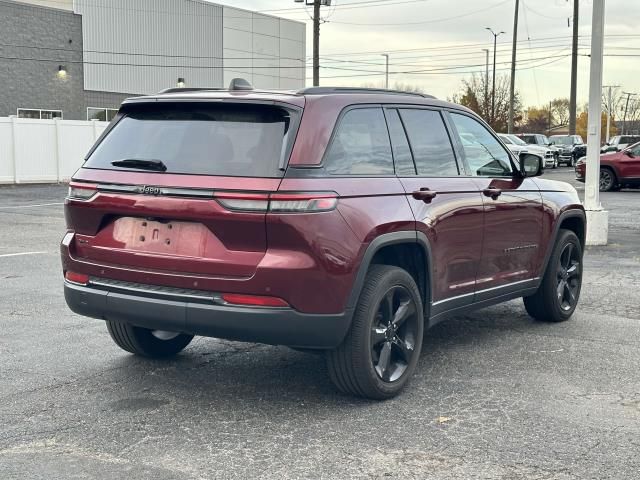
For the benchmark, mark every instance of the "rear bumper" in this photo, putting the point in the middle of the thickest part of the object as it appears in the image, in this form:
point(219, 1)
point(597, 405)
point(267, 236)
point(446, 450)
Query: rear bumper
point(276, 326)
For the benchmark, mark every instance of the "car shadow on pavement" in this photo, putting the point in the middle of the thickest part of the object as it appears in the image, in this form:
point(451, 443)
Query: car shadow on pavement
point(225, 374)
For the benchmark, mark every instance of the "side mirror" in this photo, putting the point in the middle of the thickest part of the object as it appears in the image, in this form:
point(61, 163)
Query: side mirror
point(552, 143)
point(530, 165)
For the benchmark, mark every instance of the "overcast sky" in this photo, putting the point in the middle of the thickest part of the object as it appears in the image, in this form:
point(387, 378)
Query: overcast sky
point(451, 33)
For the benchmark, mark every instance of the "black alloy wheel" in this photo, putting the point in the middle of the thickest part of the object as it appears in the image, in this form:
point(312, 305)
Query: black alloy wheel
point(393, 334)
point(568, 277)
point(381, 350)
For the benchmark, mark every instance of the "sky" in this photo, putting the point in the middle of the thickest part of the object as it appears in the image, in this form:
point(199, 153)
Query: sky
point(435, 44)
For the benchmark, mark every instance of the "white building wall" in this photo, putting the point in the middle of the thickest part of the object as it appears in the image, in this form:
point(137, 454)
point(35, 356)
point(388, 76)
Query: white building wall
point(146, 45)
point(267, 51)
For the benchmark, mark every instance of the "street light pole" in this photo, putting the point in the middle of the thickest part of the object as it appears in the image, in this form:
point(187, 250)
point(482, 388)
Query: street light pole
point(626, 107)
point(597, 217)
point(513, 68)
point(486, 79)
point(386, 77)
point(493, 82)
point(574, 70)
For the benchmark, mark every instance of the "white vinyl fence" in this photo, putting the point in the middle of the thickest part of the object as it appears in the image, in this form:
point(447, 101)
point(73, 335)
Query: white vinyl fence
point(44, 151)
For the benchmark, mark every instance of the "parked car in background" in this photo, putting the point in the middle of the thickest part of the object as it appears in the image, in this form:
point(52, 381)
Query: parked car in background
point(571, 148)
point(514, 142)
point(617, 170)
point(538, 139)
point(333, 219)
point(619, 142)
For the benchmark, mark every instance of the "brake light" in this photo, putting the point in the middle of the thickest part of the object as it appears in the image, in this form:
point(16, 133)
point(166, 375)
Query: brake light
point(81, 191)
point(278, 202)
point(253, 300)
point(77, 278)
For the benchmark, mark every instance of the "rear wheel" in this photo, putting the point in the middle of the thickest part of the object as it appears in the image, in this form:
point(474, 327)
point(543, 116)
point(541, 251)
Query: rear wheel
point(145, 342)
point(607, 180)
point(381, 350)
point(558, 294)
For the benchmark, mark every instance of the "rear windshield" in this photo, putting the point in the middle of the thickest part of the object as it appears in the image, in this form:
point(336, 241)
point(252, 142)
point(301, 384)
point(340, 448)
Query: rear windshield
point(200, 138)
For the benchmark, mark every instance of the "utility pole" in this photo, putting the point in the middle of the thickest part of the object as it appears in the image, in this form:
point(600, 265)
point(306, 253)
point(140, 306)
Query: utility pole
point(486, 80)
point(609, 109)
point(574, 71)
point(597, 217)
point(386, 76)
point(316, 35)
point(493, 86)
point(549, 119)
point(626, 107)
point(513, 68)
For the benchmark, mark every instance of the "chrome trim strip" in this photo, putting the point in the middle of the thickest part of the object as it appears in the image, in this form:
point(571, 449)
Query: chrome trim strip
point(162, 191)
point(486, 290)
point(149, 290)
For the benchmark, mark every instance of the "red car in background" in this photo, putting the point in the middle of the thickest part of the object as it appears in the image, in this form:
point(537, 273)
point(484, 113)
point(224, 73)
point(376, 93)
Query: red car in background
point(617, 170)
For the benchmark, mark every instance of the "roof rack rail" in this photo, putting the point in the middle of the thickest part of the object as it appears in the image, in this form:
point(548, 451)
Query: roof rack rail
point(328, 90)
point(188, 89)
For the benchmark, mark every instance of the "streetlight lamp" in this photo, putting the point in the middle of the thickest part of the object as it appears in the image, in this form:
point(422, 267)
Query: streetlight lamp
point(386, 78)
point(493, 88)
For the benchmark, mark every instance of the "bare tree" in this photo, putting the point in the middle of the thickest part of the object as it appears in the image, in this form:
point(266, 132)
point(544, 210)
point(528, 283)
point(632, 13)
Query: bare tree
point(560, 112)
point(400, 86)
point(472, 95)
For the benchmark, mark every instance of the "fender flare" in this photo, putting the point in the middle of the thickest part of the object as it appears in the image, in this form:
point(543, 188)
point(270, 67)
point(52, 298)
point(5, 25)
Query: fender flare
point(574, 213)
point(384, 240)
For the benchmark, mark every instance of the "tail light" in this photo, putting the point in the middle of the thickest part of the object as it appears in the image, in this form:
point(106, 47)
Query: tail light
point(77, 278)
point(278, 202)
point(302, 202)
point(81, 191)
point(253, 300)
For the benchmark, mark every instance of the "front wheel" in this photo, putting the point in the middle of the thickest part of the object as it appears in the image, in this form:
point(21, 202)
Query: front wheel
point(558, 294)
point(381, 350)
point(145, 342)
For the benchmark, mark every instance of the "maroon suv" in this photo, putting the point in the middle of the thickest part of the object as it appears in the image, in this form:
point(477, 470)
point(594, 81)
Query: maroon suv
point(617, 170)
point(344, 220)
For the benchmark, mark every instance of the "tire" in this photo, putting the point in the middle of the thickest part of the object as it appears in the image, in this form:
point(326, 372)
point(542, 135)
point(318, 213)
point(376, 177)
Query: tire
point(607, 180)
point(564, 272)
point(382, 348)
point(145, 342)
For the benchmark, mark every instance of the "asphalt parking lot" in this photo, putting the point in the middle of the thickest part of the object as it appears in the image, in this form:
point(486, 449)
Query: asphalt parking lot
point(496, 395)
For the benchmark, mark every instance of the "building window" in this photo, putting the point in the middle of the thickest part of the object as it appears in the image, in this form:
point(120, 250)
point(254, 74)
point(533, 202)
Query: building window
point(39, 113)
point(101, 114)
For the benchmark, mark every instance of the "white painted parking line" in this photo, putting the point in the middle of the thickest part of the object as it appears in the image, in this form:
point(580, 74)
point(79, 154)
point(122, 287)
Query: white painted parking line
point(31, 206)
point(21, 254)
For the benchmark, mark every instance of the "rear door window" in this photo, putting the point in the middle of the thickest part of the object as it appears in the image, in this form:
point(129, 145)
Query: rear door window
point(360, 145)
point(201, 138)
point(402, 158)
point(430, 143)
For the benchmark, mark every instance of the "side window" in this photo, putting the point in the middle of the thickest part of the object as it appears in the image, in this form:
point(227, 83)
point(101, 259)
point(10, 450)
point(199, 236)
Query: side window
point(430, 143)
point(401, 151)
point(484, 155)
point(361, 145)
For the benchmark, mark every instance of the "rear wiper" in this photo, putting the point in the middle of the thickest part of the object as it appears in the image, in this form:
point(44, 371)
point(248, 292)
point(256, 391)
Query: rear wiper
point(142, 164)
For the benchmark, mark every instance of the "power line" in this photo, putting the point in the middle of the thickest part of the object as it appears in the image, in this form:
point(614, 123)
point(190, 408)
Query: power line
point(424, 22)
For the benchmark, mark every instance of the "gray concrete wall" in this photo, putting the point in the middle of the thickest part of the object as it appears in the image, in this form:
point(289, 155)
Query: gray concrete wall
point(34, 41)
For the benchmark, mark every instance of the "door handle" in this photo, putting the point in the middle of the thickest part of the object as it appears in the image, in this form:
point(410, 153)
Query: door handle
point(492, 192)
point(424, 194)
